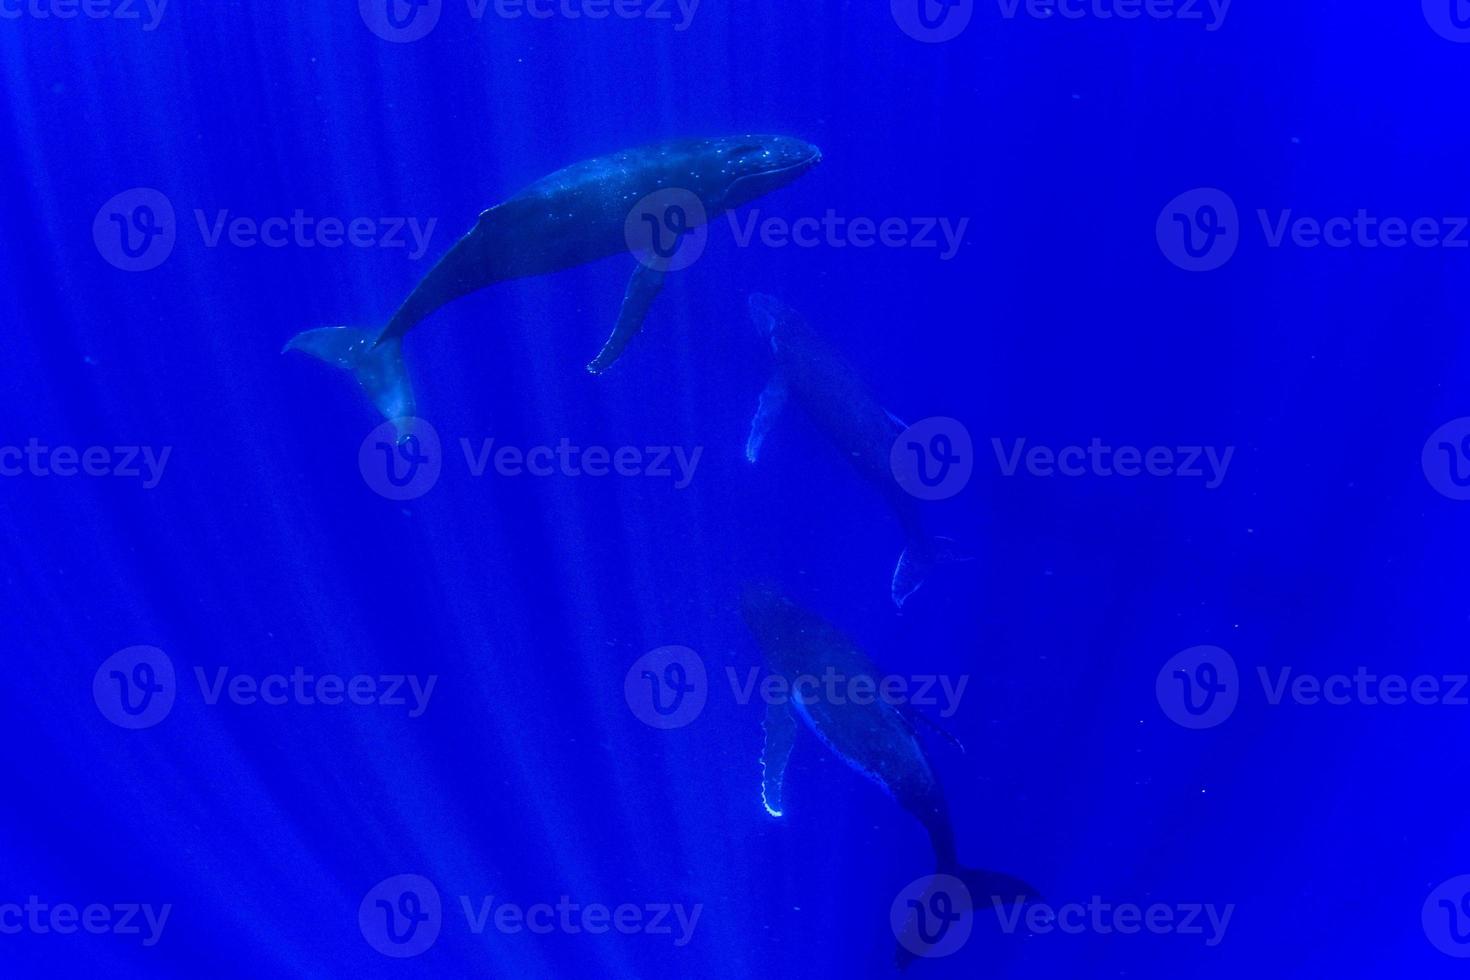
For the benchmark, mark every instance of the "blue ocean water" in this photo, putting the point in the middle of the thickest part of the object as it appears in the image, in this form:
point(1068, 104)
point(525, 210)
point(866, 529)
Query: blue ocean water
point(1210, 710)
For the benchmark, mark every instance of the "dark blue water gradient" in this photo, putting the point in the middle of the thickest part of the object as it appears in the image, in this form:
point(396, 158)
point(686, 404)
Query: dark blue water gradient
point(528, 777)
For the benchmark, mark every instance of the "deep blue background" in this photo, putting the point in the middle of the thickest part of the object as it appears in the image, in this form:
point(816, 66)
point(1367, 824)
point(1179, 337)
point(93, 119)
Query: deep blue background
point(529, 778)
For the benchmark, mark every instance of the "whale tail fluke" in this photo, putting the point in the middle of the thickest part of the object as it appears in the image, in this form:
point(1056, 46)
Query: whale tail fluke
point(983, 890)
point(377, 365)
point(918, 560)
point(991, 888)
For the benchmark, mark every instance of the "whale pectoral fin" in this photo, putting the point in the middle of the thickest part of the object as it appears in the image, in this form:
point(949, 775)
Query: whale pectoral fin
point(643, 288)
point(773, 399)
point(780, 735)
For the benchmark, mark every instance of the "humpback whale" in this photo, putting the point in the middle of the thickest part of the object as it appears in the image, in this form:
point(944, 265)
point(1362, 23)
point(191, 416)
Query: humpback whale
point(877, 739)
point(832, 394)
point(576, 215)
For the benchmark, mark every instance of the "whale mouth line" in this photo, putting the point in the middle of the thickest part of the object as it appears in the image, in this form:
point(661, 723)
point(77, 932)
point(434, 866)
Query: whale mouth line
point(800, 166)
point(792, 171)
point(806, 164)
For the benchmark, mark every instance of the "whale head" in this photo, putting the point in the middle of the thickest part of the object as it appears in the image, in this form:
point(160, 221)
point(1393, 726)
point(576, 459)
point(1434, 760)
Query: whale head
point(774, 320)
point(752, 166)
point(766, 609)
point(794, 640)
point(761, 599)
